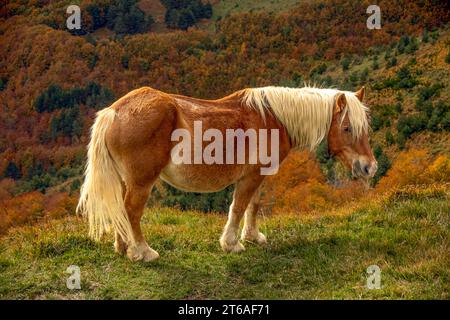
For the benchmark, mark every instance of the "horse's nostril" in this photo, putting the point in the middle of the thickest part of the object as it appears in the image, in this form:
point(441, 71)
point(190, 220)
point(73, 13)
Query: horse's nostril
point(366, 169)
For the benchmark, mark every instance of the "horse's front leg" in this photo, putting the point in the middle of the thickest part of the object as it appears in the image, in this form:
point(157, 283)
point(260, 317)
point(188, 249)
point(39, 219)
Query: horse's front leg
point(250, 232)
point(243, 193)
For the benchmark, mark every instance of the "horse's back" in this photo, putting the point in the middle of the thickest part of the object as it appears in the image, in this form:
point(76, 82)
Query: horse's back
point(143, 100)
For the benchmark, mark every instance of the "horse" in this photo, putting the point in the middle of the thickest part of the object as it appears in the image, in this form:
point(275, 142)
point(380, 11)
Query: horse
point(131, 145)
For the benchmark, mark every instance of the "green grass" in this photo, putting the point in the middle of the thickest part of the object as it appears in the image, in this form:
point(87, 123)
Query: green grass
point(225, 8)
point(310, 257)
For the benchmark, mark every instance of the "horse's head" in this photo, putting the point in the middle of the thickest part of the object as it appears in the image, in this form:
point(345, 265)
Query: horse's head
point(351, 145)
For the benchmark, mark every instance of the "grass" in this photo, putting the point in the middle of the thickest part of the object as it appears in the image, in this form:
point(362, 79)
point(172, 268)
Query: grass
point(224, 8)
point(321, 256)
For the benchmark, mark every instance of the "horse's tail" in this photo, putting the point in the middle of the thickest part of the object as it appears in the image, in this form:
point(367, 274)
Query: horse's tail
point(101, 196)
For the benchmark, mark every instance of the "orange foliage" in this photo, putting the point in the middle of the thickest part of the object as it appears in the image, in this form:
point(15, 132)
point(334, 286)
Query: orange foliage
point(439, 170)
point(33, 206)
point(6, 188)
point(415, 167)
point(300, 186)
point(250, 49)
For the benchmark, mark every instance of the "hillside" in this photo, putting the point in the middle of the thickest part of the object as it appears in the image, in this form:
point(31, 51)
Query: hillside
point(52, 82)
point(318, 256)
point(323, 230)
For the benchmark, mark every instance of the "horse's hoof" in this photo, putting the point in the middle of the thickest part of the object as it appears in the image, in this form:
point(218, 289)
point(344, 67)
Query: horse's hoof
point(150, 255)
point(233, 248)
point(238, 247)
point(258, 238)
point(142, 252)
point(261, 239)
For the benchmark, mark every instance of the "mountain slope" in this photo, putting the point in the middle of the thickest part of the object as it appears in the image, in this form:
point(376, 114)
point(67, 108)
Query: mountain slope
point(320, 256)
point(52, 82)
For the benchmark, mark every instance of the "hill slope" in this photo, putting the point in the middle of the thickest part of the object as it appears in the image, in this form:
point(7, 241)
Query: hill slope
point(321, 256)
point(52, 82)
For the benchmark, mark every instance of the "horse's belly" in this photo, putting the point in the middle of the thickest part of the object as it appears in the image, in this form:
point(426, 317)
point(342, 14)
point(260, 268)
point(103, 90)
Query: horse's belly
point(200, 178)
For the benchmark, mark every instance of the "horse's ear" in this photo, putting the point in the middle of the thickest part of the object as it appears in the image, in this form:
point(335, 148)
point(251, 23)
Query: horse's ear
point(360, 93)
point(340, 103)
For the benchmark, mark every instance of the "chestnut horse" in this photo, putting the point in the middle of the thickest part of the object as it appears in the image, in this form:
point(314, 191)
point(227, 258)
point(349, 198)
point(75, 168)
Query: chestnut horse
point(131, 146)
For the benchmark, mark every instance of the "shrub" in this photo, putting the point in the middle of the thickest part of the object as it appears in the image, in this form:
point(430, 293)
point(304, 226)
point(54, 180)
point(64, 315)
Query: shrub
point(402, 43)
point(318, 70)
point(407, 125)
point(439, 170)
point(375, 65)
point(3, 83)
point(389, 138)
point(124, 60)
point(54, 97)
point(412, 46)
point(75, 185)
point(392, 62)
point(66, 123)
point(381, 116)
point(7, 187)
point(33, 206)
point(415, 167)
point(345, 63)
point(300, 185)
point(427, 93)
point(425, 36)
point(401, 141)
point(353, 78)
point(403, 80)
point(21, 209)
point(12, 171)
point(125, 17)
point(440, 117)
point(183, 14)
point(168, 196)
point(376, 123)
point(383, 164)
point(364, 75)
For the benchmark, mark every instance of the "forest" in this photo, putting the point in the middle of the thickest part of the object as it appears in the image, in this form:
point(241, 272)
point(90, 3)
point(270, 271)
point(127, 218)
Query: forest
point(52, 81)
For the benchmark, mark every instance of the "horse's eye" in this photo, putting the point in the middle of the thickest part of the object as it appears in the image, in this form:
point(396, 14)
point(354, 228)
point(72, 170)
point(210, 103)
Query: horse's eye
point(347, 129)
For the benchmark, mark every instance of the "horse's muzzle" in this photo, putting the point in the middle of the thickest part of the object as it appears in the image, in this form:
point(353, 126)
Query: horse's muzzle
point(364, 169)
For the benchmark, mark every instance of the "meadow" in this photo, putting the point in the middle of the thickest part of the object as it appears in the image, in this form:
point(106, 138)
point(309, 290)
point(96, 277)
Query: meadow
point(322, 255)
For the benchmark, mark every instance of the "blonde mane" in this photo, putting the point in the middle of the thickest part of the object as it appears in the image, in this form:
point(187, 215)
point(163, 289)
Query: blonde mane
point(306, 113)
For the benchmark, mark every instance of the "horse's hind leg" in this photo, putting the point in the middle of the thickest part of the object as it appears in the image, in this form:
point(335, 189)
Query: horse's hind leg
point(120, 245)
point(135, 200)
point(139, 142)
point(250, 231)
